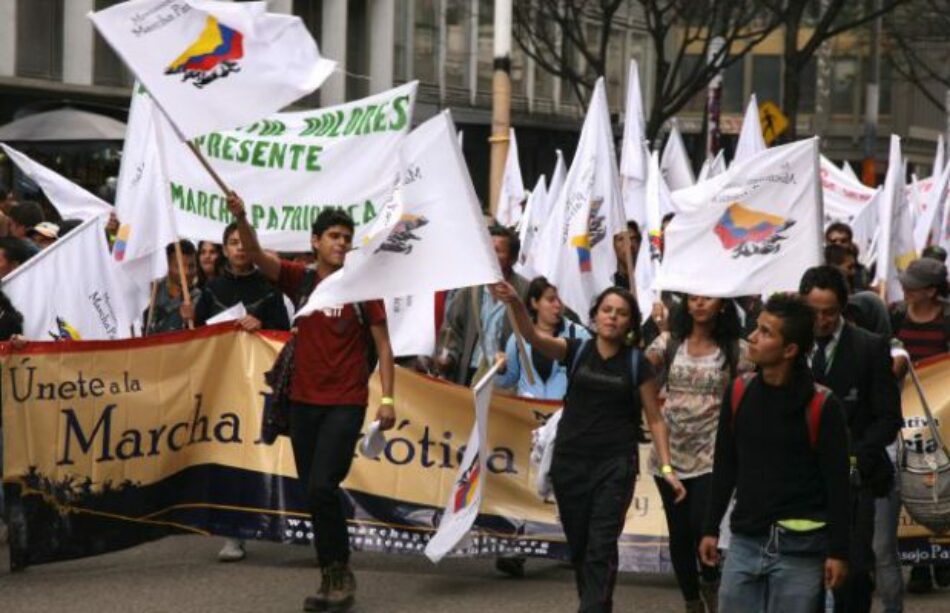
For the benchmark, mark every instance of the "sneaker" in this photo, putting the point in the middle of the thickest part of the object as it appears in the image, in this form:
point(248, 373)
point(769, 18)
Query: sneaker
point(942, 576)
point(920, 581)
point(233, 551)
point(342, 592)
point(513, 567)
point(318, 602)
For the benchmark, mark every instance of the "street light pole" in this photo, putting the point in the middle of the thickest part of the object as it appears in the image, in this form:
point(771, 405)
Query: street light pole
point(872, 101)
point(501, 98)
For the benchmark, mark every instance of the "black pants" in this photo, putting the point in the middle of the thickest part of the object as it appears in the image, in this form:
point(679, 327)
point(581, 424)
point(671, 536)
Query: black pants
point(324, 439)
point(855, 595)
point(684, 521)
point(593, 495)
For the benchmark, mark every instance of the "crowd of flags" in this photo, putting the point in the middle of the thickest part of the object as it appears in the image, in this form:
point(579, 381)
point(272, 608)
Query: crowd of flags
point(747, 227)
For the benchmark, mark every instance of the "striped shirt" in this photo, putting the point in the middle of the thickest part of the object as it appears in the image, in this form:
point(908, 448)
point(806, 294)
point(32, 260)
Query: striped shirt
point(923, 340)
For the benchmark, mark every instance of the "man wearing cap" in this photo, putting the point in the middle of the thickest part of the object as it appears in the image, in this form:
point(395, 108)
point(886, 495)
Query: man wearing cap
point(44, 234)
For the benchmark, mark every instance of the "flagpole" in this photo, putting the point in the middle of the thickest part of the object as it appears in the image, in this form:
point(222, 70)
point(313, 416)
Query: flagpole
point(151, 307)
point(183, 279)
point(628, 260)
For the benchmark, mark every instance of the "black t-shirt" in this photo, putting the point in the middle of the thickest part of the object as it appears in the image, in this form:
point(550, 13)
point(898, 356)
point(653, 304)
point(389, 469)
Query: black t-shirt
point(602, 405)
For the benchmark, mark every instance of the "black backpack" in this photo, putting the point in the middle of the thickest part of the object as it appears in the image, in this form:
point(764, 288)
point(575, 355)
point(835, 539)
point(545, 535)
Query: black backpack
point(308, 283)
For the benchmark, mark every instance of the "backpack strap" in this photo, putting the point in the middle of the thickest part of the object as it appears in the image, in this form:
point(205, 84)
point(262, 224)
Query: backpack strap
point(308, 282)
point(634, 356)
point(739, 385)
point(815, 406)
point(577, 358)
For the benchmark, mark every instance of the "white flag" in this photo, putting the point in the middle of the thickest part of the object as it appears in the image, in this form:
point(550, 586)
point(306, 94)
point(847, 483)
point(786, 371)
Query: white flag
point(82, 297)
point(142, 201)
point(713, 167)
point(849, 171)
point(70, 200)
point(895, 247)
point(658, 201)
point(512, 187)
point(430, 237)
point(535, 215)
point(576, 250)
point(928, 225)
point(465, 497)
point(751, 140)
point(848, 200)
point(214, 65)
point(675, 164)
point(557, 180)
point(633, 162)
point(752, 230)
point(939, 157)
point(411, 324)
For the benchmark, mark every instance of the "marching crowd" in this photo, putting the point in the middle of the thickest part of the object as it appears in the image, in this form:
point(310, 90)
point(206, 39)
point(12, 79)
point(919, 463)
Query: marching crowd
point(779, 415)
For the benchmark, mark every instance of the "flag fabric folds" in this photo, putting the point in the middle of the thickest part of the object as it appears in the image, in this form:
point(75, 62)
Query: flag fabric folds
point(430, 236)
point(749, 231)
point(535, 214)
point(751, 140)
point(512, 193)
point(214, 65)
point(895, 246)
point(675, 165)
point(70, 200)
point(658, 203)
point(557, 180)
point(82, 297)
point(633, 163)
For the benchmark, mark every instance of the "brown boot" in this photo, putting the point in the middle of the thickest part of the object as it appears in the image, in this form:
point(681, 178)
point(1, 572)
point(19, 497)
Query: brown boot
point(709, 591)
point(695, 606)
point(342, 592)
point(318, 602)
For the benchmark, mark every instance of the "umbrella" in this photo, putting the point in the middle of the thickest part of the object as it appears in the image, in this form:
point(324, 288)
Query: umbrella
point(63, 125)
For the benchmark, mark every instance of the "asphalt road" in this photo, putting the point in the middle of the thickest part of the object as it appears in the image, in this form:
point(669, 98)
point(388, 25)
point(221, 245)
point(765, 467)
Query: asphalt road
point(181, 574)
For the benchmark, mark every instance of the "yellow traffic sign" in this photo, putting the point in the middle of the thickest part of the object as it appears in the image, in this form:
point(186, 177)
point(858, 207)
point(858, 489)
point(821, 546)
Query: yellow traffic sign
point(774, 122)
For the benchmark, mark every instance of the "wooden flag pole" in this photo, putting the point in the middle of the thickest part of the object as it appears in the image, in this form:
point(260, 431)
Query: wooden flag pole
point(183, 279)
point(207, 166)
point(628, 260)
point(151, 307)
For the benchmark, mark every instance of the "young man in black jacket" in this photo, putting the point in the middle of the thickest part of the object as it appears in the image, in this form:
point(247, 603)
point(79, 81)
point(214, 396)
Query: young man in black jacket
point(856, 365)
point(779, 446)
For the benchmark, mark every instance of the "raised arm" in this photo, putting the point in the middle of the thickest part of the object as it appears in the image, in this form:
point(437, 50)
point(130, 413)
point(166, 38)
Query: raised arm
point(552, 347)
point(268, 263)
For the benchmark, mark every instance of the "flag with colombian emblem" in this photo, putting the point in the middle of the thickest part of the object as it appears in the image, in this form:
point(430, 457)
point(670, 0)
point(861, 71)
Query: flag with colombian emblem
point(749, 231)
point(214, 65)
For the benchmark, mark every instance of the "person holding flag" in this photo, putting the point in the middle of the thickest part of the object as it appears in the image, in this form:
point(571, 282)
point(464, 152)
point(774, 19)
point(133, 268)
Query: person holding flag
point(328, 390)
point(595, 451)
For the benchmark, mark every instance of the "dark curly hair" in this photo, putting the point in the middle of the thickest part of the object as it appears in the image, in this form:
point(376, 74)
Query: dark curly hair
point(726, 333)
point(633, 333)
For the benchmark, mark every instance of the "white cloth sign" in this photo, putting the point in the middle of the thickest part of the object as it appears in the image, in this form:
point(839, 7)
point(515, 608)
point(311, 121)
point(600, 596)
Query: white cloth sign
point(290, 166)
point(752, 230)
point(214, 65)
point(70, 200)
point(465, 497)
point(658, 203)
point(896, 243)
point(751, 140)
point(235, 313)
point(633, 162)
point(512, 192)
point(411, 323)
point(675, 165)
point(430, 236)
point(847, 200)
point(84, 295)
point(535, 215)
point(575, 248)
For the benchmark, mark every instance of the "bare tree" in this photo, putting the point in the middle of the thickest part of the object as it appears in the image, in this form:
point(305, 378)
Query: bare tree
point(681, 33)
point(819, 21)
point(918, 37)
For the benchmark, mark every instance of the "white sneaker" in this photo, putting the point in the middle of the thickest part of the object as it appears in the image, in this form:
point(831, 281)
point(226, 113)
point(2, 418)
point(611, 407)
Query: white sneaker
point(233, 551)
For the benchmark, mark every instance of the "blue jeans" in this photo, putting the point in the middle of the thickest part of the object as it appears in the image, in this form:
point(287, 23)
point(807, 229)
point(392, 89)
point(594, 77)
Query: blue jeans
point(756, 578)
point(889, 582)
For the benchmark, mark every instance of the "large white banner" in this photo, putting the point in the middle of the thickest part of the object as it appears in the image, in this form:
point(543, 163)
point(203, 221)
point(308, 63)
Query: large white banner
point(71, 290)
point(290, 166)
point(214, 65)
point(752, 230)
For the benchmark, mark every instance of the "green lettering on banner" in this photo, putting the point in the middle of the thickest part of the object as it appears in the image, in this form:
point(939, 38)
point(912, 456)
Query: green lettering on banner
point(190, 204)
point(286, 210)
point(229, 142)
point(313, 153)
point(177, 195)
point(257, 215)
point(337, 122)
point(245, 154)
point(379, 124)
point(223, 213)
point(277, 151)
point(355, 116)
point(258, 159)
point(214, 145)
point(295, 150)
point(202, 208)
point(367, 120)
point(369, 213)
point(326, 123)
point(400, 104)
point(273, 220)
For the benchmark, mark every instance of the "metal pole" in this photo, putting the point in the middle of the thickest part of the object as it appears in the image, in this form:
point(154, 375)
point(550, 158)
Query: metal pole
point(714, 100)
point(872, 97)
point(501, 99)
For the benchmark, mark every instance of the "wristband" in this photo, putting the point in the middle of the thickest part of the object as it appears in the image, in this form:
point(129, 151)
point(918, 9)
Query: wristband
point(666, 469)
point(388, 400)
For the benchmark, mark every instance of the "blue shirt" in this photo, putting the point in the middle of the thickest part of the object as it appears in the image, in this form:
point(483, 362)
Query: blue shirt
point(555, 386)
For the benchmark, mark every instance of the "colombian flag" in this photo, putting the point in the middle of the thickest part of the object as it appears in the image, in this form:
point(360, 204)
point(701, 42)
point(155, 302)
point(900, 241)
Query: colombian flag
point(466, 486)
point(740, 225)
point(217, 43)
point(121, 242)
point(582, 243)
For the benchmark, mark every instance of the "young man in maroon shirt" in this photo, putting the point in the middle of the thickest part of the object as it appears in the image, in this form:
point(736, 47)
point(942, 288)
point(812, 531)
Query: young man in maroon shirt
point(328, 390)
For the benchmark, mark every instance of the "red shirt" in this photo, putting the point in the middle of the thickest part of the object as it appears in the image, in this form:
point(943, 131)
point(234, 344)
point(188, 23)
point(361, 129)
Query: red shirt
point(330, 360)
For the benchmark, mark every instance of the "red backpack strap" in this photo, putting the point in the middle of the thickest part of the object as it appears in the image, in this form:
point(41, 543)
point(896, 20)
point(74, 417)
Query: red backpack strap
point(814, 413)
point(739, 385)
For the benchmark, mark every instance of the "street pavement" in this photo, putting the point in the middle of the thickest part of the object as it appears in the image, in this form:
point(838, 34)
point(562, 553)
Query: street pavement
point(181, 574)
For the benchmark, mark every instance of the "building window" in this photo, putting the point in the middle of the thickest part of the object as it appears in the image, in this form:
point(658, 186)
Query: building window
point(486, 26)
point(844, 82)
point(733, 88)
point(458, 20)
point(884, 87)
point(767, 78)
point(357, 50)
point(108, 68)
point(39, 47)
point(425, 44)
point(311, 13)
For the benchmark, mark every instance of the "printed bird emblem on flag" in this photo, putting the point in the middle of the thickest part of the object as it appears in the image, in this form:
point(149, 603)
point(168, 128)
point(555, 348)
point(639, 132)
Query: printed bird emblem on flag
point(212, 55)
point(64, 331)
point(402, 233)
point(466, 486)
point(748, 232)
